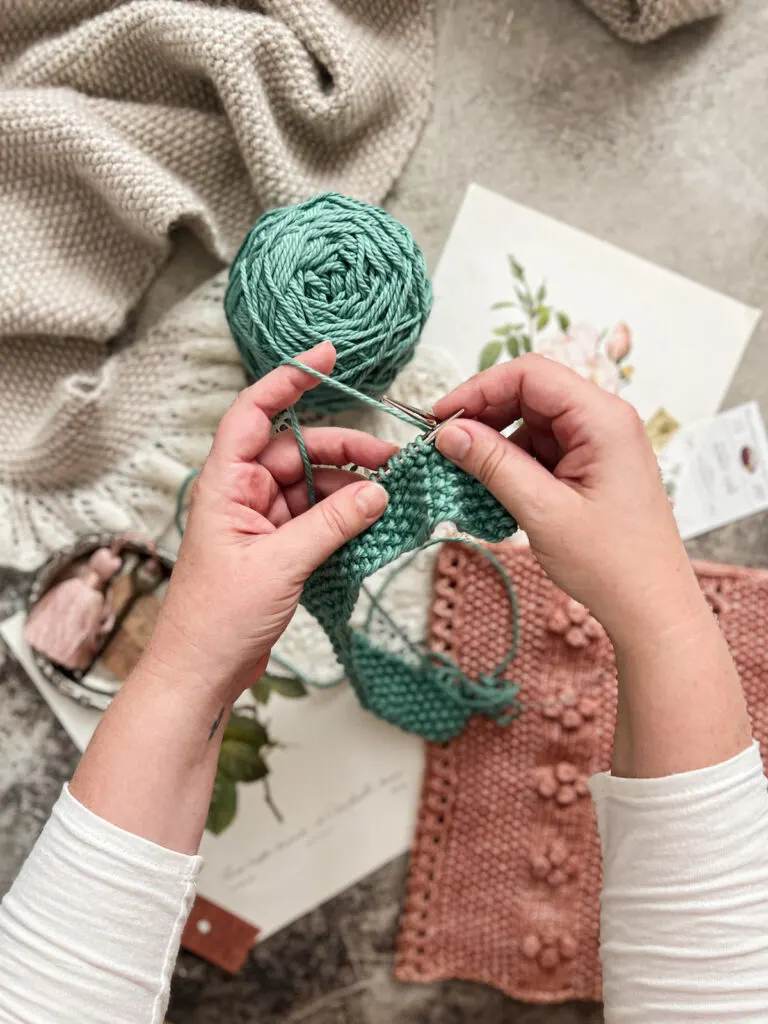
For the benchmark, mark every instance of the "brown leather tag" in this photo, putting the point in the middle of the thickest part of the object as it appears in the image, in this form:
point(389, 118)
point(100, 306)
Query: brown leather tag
point(218, 936)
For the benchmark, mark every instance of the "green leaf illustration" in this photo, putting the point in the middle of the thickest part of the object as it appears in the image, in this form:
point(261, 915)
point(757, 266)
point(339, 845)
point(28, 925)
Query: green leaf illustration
point(261, 691)
point(503, 305)
point(513, 347)
point(541, 294)
point(514, 266)
point(543, 319)
point(565, 322)
point(489, 355)
point(241, 762)
point(247, 730)
point(506, 329)
point(223, 806)
point(286, 686)
point(525, 300)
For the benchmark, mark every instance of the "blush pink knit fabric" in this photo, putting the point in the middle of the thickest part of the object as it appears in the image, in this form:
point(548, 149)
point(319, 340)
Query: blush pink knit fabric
point(505, 873)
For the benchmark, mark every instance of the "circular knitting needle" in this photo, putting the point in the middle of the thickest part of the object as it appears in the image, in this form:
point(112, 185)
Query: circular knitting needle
point(430, 436)
point(428, 419)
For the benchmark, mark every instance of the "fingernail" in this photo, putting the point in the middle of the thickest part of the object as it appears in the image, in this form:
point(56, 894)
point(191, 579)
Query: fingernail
point(453, 442)
point(371, 499)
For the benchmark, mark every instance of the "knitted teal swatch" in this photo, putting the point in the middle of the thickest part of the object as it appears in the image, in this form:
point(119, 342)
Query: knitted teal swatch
point(432, 699)
point(333, 269)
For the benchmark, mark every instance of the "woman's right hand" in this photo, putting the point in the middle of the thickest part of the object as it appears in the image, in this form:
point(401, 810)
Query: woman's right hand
point(581, 479)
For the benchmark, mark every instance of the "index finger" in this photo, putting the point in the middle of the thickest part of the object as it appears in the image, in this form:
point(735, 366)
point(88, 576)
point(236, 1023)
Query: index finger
point(245, 428)
point(326, 446)
point(531, 387)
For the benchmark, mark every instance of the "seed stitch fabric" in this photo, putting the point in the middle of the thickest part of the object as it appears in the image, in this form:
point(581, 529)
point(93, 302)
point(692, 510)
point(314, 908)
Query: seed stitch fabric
point(305, 645)
point(515, 800)
point(426, 697)
point(642, 21)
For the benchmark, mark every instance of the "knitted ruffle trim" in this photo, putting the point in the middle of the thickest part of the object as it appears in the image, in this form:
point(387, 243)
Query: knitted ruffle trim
point(113, 445)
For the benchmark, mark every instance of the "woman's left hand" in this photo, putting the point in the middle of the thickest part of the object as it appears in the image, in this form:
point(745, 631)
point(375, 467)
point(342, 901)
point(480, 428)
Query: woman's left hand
point(252, 539)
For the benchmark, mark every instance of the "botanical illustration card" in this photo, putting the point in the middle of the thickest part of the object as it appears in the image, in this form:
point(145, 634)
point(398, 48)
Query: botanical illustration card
point(512, 280)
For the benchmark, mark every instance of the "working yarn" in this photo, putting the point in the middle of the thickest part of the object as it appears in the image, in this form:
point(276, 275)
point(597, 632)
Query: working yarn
point(336, 269)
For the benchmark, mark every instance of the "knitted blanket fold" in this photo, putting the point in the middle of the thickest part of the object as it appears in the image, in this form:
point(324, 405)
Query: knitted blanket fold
point(642, 21)
point(505, 875)
point(120, 122)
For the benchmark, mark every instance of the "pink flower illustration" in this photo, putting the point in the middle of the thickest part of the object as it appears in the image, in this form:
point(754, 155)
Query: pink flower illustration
point(591, 355)
point(618, 342)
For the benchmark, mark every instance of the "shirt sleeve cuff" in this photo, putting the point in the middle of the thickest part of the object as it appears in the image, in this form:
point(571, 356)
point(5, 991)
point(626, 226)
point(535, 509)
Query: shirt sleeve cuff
point(109, 838)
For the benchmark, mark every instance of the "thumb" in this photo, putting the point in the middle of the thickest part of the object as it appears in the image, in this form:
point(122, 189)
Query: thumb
point(313, 536)
point(522, 485)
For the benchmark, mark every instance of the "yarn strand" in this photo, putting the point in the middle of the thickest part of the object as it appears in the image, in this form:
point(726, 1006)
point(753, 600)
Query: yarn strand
point(353, 392)
point(483, 695)
point(358, 396)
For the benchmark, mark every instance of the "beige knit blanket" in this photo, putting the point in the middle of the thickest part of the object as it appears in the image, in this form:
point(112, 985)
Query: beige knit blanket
point(641, 21)
point(119, 122)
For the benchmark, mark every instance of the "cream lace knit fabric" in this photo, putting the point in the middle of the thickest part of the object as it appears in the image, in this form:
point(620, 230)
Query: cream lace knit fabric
point(121, 434)
point(120, 121)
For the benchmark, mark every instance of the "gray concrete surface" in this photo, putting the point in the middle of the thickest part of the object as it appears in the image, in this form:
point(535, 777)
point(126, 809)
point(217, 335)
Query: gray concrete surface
point(662, 151)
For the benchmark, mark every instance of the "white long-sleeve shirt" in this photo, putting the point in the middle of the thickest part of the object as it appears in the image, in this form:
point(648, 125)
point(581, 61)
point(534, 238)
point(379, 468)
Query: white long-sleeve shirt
point(90, 930)
point(684, 914)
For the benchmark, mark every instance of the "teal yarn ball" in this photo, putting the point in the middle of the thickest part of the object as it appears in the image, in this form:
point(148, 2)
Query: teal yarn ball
point(330, 269)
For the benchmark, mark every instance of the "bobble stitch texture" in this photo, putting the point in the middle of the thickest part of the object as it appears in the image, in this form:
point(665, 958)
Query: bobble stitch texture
point(480, 790)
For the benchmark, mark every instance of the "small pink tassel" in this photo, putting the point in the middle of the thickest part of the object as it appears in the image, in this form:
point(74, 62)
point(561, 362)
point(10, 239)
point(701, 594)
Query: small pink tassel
point(69, 621)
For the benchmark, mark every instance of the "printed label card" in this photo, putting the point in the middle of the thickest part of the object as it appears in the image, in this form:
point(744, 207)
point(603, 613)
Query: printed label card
point(716, 471)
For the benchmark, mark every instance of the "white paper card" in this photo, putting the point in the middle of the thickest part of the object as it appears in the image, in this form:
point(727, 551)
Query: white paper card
point(686, 340)
point(346, 784)
point(78, 722)
point(348, 787)
point(716, 471)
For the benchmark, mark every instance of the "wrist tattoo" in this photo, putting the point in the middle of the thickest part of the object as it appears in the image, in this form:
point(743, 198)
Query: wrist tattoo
point(216, 723)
